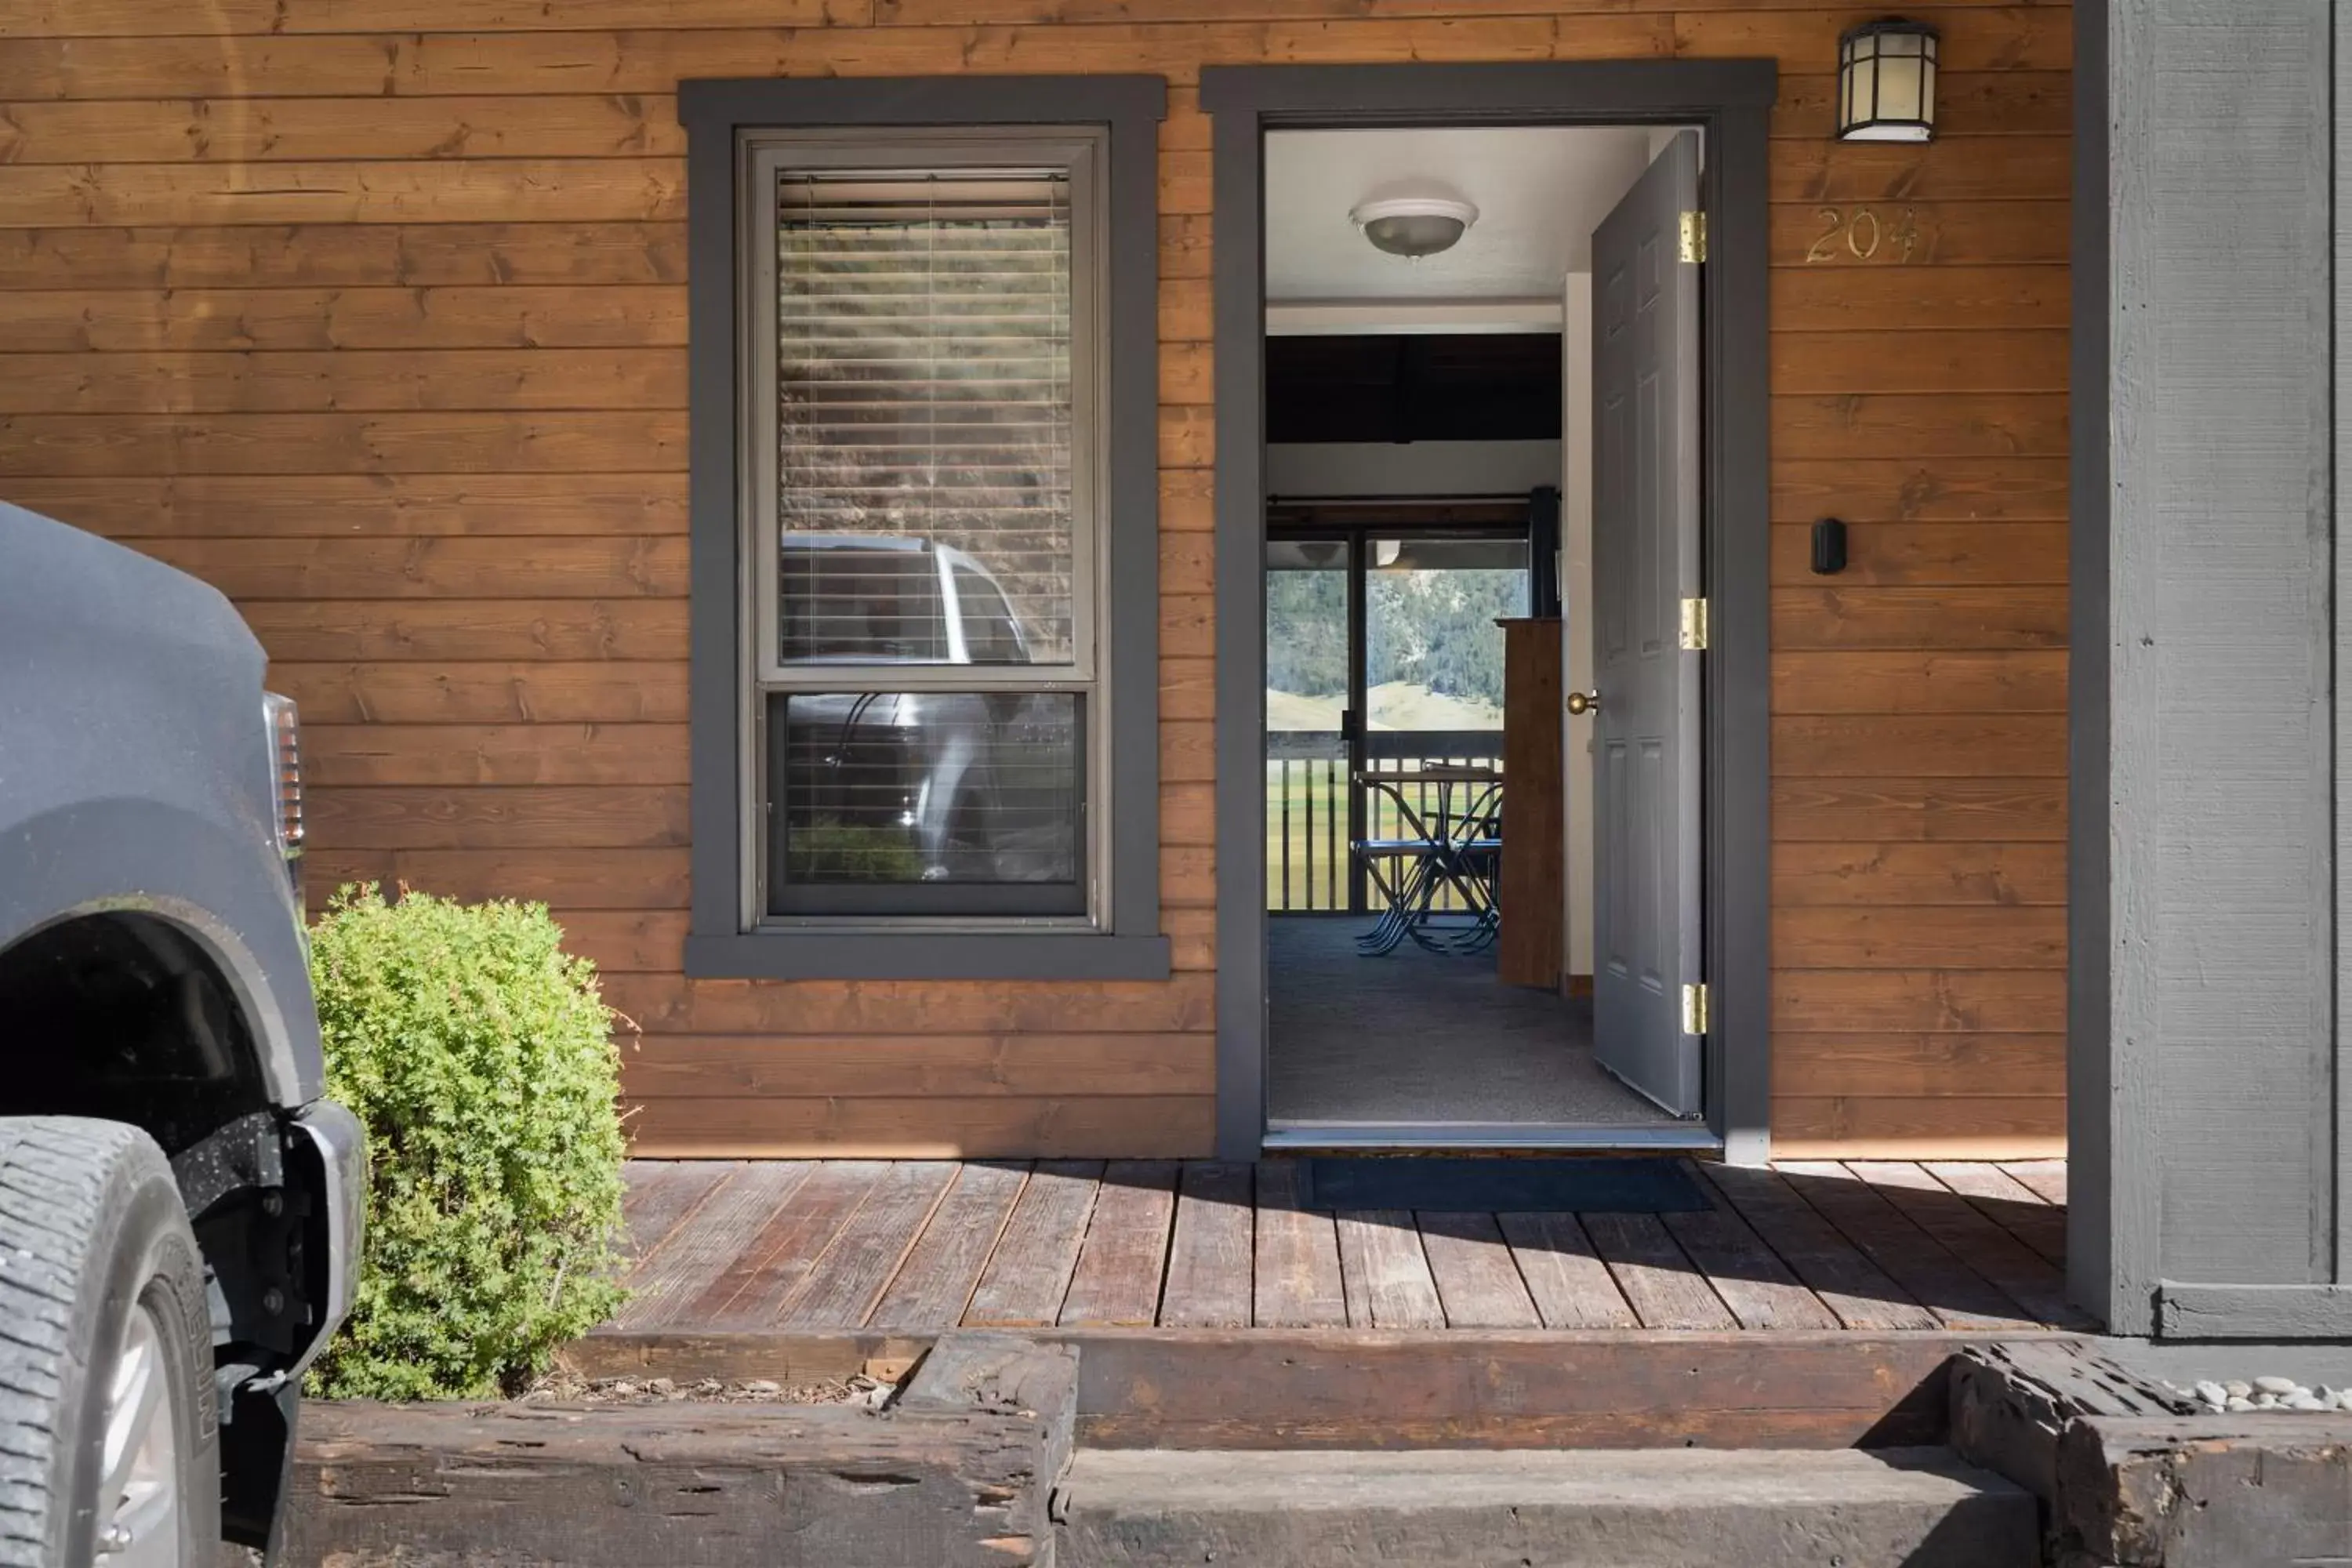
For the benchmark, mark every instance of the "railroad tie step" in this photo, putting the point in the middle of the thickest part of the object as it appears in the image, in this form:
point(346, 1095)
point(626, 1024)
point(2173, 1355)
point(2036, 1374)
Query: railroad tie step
point(1665, 1508)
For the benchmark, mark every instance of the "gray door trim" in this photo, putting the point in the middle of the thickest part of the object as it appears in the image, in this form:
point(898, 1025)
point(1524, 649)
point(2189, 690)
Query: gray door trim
point(2110, 1270)
point(1731, 100)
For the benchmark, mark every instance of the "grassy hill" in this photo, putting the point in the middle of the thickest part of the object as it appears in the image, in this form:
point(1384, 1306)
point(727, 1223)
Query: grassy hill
point(1396, 705)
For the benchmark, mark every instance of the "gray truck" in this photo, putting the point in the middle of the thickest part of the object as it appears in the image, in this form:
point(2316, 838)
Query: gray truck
point(179, 1205)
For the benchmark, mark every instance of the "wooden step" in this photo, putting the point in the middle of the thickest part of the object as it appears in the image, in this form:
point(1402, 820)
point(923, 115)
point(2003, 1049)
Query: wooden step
point(1349, 1388)
point(1907, 1508)
point(1513, 1389)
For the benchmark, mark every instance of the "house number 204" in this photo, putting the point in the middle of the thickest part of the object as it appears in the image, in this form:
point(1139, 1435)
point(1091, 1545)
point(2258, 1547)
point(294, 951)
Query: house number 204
point(1860, 233)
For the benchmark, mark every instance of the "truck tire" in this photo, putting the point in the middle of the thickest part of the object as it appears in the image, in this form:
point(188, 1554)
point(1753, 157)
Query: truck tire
point(109, 1447)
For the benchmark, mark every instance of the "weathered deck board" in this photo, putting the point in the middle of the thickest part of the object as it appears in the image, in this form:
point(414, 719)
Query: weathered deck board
point(1759, 1289)
point(848, 1279)
point(1849, 1284)
point(1209, 1256)
point(913, 1247)
point(1476, 1280)
point(1029, 1272)
point(2009, 1203)
point(1946, 1287)
point(1298, 1283)
point(936, 1282)
point(2047, 1178)
point(675, 1275)
point(773, 1262)
point(1387, 1272)
point(1570, 1285)
point(661, 1192)
point(1124, 1258)
point(1655, 1275)
point(2025, 1275)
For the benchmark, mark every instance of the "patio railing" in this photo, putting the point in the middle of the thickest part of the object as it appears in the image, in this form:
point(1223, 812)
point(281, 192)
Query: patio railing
point(1312, 807)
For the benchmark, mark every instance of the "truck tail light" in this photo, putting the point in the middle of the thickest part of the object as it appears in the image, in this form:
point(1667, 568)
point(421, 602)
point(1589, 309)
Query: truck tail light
point(286, 769)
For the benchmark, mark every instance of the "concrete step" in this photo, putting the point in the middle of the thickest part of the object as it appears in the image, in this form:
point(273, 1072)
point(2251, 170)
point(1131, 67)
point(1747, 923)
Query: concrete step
point(1585, 1508)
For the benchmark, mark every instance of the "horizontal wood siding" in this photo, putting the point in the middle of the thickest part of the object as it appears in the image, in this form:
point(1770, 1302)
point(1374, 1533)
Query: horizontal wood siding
point(374, 314)
point(1919, 313)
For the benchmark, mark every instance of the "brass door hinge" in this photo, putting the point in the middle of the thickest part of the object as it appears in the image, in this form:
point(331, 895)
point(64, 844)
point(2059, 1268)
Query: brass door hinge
point(1694, 1009)
point(1693, 624)
point(1695, 237)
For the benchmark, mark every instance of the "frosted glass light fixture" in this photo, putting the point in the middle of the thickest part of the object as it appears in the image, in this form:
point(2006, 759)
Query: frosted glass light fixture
point(1886, 82)
point(1414, 226)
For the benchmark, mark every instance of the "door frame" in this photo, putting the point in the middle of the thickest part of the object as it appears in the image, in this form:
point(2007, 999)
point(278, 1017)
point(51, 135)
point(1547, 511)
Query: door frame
point(1731, 102)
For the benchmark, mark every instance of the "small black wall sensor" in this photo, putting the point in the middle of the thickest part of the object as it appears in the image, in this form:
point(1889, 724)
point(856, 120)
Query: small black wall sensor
point(1829, 546)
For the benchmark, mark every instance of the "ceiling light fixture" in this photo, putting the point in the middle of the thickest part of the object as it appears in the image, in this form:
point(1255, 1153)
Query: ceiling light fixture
point(1414, 226)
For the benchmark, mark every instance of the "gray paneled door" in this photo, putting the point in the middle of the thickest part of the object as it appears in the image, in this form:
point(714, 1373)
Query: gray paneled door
point(1646, 562)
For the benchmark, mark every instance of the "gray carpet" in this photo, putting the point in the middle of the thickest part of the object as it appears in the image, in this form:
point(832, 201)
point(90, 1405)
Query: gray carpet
point(1417, 1037)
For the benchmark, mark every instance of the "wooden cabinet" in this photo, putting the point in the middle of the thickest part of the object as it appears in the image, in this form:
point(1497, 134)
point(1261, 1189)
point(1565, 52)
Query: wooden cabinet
point(1534, 893)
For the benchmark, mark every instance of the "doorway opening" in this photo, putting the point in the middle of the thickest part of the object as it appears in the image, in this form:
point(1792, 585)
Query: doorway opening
point(1688, 427)
point(1443, 410)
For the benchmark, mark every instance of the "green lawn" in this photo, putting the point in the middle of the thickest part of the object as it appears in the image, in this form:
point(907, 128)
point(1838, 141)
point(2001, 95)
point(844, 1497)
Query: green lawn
point(1317, 864)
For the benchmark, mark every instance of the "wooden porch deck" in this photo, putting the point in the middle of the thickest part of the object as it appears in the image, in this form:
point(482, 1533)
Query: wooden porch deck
point(914, 1247)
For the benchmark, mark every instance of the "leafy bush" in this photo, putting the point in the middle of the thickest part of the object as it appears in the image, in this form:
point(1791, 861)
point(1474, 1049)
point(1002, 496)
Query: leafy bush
point(480, 1059)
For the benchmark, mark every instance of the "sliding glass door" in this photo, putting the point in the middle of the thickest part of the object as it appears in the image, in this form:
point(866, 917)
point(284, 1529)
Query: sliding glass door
point(1382, 656)
point(1310, 655)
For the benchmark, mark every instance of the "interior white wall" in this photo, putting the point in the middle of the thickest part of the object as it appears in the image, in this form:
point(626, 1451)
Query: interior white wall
point(1576, 601)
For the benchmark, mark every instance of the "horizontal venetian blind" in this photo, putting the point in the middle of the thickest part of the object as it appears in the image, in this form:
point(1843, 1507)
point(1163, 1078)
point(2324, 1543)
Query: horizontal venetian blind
point(924, 402)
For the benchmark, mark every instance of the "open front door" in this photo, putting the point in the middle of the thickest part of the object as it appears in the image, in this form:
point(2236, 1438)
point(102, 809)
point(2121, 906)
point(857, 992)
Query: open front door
point(1645, 562)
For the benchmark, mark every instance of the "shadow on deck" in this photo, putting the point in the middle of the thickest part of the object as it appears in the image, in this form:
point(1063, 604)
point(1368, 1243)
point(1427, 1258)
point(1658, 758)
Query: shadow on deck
point(915, 1248)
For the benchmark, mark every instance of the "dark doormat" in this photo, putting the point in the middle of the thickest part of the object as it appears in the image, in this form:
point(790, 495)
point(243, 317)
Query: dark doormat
point(1505, 1185)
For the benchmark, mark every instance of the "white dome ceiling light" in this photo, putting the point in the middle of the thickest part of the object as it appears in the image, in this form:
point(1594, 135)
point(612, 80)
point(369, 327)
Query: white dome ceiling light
point(1414, 226)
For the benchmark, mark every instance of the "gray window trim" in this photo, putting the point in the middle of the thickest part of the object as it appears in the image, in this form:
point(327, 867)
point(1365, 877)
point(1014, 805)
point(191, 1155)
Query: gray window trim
point(1129, 946)
point(1731, 100)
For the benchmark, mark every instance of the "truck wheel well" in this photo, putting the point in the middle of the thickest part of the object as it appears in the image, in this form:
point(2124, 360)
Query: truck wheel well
point(124, 1015)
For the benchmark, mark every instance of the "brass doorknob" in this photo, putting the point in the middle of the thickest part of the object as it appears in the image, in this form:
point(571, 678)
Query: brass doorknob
point(1583, 702)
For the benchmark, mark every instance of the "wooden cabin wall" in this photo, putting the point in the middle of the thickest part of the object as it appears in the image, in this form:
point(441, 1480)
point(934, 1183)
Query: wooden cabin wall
point(373, 312)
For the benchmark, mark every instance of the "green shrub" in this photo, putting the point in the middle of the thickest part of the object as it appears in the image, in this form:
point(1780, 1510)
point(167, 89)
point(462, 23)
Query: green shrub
point(480, 1059)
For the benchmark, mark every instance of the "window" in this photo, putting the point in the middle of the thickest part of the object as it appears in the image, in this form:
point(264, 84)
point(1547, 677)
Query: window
point(923, 527)
point(936, 704)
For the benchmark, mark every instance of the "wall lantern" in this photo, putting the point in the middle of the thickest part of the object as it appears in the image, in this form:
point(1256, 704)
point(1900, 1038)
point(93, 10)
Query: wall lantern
point(1414, 226)
point(1886, 82)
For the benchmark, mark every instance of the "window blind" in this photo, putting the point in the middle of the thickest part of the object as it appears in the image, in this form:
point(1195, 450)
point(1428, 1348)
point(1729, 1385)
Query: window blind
point(924, 402)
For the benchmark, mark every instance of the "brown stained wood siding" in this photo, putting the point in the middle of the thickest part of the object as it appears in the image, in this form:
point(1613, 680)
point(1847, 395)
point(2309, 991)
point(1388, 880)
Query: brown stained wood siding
point(373, 313)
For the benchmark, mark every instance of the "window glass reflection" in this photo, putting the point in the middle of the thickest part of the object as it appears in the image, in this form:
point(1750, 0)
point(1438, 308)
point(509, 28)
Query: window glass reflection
point(963, 789)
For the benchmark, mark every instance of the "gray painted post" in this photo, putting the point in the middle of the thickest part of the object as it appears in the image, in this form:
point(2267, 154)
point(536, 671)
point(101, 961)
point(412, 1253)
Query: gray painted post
point(2221, 1100)
point(2341, 308)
